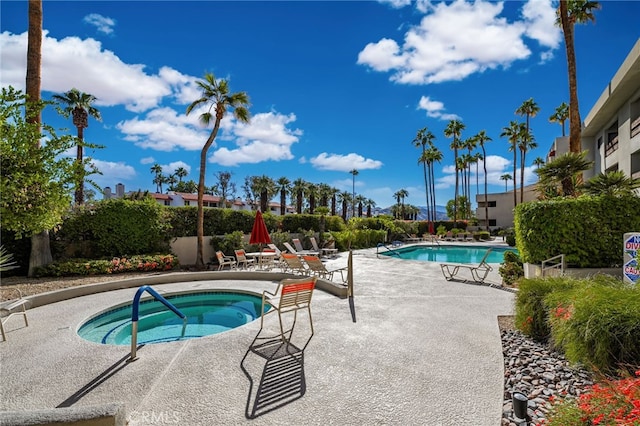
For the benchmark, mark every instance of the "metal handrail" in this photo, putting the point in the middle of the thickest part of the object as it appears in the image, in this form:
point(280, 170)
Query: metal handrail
point(135, 316)
point(553, 264)
point(388, 249)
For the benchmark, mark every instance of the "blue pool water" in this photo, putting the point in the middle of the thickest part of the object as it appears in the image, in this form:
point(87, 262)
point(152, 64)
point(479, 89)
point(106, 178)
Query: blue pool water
point(207, 313)
point(453, 254)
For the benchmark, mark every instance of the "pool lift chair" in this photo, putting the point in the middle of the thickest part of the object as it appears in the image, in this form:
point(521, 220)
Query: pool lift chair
point(478, 272)
point(291, 296)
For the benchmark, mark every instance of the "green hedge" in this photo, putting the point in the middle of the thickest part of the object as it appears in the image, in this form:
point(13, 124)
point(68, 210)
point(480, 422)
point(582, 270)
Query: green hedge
point(587, 230)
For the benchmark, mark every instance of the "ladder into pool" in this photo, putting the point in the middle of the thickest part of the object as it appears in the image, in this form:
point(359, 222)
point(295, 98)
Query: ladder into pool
point(134, 315)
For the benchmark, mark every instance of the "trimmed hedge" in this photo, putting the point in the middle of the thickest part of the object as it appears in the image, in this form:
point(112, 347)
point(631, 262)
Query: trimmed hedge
point(587, 230)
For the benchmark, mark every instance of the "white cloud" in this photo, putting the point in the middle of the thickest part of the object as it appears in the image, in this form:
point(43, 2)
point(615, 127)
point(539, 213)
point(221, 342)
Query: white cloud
point(344, 163)
point(147, 160)
point(103, 24)
point(396, 4)
point(453, 41)
point(175, 165)
point(112, 172)
point(540, 20)
point(435, 109)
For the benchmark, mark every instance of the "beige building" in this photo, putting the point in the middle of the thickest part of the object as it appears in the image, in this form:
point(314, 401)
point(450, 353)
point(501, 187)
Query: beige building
point(610, 135)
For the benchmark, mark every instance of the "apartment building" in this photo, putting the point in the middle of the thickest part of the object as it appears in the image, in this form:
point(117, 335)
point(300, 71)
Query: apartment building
point(610, 135)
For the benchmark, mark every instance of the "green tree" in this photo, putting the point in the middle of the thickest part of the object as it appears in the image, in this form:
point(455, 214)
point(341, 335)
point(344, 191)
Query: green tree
point(463, 206)
point(454, 130)
point(614, 183)
point(482, 139)
point(224, 188)
point(35, 180)
point(344, 198)
point(181, 173)
point(79, 105)
point(312, 194)
point(284, 186)
point(215, 97)
point(563, 171)
point(423, 139)
point(505, 177)
point(560, 115)
point(298, 189)
point(529, 109)
point(513, 133)
point(354, 173)
point(370, 204)
point(569, 13)
point(156, 169)
point(402, 194)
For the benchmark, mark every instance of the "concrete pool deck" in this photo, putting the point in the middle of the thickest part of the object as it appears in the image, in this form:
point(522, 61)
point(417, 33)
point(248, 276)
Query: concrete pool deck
point(423, 351)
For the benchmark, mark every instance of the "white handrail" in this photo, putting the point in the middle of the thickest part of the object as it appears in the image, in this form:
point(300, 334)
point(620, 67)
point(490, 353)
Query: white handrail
point(553, 264)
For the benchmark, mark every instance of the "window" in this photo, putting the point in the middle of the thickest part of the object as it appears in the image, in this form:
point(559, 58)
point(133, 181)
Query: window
point(186, 203)
point(635, 165)
point(492, 222)
point(635, 118)
point(612, 140)
point(167, 202)
point(490, 203)
point(613, 168)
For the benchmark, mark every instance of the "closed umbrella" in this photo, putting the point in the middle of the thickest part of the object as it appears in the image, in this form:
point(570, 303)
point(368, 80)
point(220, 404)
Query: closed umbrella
point(259, 233)
point(352, 306)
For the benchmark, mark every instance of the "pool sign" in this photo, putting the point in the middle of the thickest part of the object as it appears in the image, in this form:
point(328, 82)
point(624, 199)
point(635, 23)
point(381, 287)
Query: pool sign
point(631, 269)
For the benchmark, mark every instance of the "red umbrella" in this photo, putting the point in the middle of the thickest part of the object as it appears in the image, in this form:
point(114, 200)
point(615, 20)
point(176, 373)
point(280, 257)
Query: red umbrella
point(431, 231)
point(259, 233)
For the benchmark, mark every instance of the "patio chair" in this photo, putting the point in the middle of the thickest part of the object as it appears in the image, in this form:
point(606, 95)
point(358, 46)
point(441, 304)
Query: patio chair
point(323, 251)
point(448, 236)
point(291, 296)
point(268, 262)
point(301, 251)
point(242, 260)
point(13, 307)
point(478, 272)
point(225, 261)
point(293, 264)
point(297, 252)
point(317, 268)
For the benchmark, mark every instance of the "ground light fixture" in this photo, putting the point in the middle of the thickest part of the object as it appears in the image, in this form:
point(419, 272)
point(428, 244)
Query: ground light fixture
point(520, 404)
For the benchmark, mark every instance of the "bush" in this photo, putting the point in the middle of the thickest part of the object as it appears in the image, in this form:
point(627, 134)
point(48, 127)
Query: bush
point(597, 323)
point(104, 266)
point(511, 269)
point(482, 235)
point(227, 244)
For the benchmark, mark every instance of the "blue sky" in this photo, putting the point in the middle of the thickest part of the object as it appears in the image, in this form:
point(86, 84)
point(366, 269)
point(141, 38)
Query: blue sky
point(333, 85)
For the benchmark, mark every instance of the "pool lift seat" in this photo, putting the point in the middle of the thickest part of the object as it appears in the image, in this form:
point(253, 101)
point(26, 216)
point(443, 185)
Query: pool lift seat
point(292, 295)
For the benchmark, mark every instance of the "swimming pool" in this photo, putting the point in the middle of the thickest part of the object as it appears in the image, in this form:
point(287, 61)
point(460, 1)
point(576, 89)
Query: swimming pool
point(453, 254)
point(207, 313)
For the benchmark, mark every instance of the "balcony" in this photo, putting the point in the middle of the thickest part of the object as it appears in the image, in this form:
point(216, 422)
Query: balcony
point(635, 127)
point(612, 145)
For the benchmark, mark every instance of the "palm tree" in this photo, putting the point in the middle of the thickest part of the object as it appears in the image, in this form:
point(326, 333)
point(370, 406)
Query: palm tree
point(266, 189)
point(79, 105)
point(360, 200)
point(312, 194)
point(614, 183)
point(527, 142)
point(215, 94)
point(434, 155)
point(354, 173)
point(538, 162)
point(569, 13)
point(505, 177)
point(333, 194)
point(284, 186)
point(482, 139)
point(298, 189)
point(181, 172)
point(563, 170)
point(423, 138)
point(344, 198)
point(324, 192)
point(470, 144)
point(370, 204)
point(402, 194)
point(513, 133)
point(560, 115)
point(454, 130)
point(156, 169)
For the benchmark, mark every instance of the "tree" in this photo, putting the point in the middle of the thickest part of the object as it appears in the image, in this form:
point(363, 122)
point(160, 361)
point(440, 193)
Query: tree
point(34, 180)
point(354, 173)
point(215, 96)
point(78, 105)
point(527, 142)
point(312, 193)
point(513, 133)
point(563, 171)
point(156, 169)
point(181, 172)
point(344, 198)
point(284, 186)
point(423, 139)
point(560, 115)
point(224, 188)
point(538, 162)
point(402, 194)
point(370, 204)
point(614, 183)
point(505, 177)
point(298, 189)
point(454, 130)
point(334, 193)
point(569, 13)
point(482, 139)
point(433, 155)
point(265, 187)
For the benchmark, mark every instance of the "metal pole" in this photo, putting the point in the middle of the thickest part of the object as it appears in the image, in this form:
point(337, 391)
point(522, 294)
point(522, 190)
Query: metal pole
point(134, 340)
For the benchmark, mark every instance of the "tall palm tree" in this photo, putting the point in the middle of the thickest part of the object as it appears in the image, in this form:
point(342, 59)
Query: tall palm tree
point(172, 180)
point(563, 170)
point(527, 142)
point(423, 138)
point(470, 144)
point(403, 193)
point(370, 204)
point(284, 186)
point(333, 194)
point(454, 130)
point(215, 94)
point(482, 139)
point(569, 13)
point(324, 192)
point(181, 172)
point(360, 200)
point(513, 133)
point(265, 187)
point(505, 177)
point(354, 173)
point(344, 198)
point(312, 194)
point(560, 115)
point(156, 169)
point(434, 155)
point(298, 189)
point(79, 105)
point(538, 162)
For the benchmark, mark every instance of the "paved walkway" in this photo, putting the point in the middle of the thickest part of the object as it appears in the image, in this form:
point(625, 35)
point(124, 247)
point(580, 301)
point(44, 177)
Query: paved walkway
point(423, 351)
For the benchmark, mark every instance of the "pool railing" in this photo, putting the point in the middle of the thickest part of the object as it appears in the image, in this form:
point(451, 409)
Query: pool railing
point(135, 316)
point(389, 250)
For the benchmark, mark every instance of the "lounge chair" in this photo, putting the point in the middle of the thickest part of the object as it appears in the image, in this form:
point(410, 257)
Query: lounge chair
point(293, 264)
point(302, 251)
point(225, 261)
point(242, 260)
point(299, 252)
point(448, 236)
point(317, 268)
point(478, 272)
point(13, 307)
point(323, 251)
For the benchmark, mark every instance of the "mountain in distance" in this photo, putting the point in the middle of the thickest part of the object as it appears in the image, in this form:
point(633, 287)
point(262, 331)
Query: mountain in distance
point(441, 212)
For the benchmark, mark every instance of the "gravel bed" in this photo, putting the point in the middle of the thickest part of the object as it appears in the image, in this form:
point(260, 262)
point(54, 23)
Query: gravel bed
point(538, 372)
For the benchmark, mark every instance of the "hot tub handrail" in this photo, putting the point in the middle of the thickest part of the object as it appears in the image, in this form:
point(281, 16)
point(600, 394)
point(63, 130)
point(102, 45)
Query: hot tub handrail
point(135, 316)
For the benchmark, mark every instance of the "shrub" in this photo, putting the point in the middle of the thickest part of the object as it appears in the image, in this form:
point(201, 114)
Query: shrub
point(105, 266)
point(481, 235)
point(511, 269)
point(531, 311)
point(227, 244)
point(597, 323)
